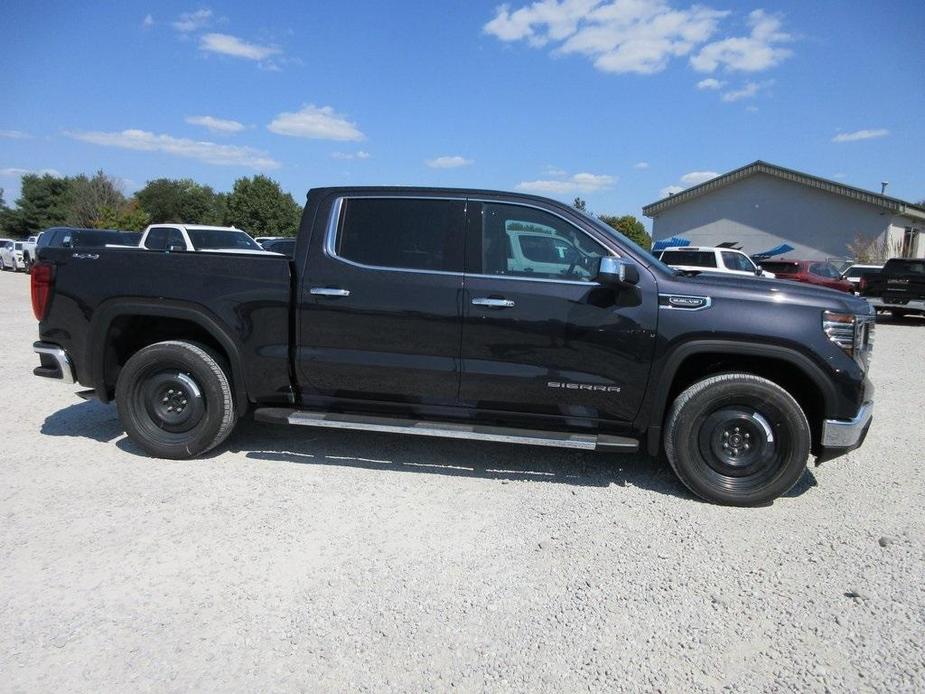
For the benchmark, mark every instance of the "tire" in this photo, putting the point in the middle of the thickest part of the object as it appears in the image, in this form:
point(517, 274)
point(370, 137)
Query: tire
point(737, 439)
point(175, 400)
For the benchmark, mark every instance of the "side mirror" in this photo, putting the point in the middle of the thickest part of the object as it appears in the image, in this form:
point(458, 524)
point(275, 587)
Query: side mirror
point(176, 248)
point(616, 271)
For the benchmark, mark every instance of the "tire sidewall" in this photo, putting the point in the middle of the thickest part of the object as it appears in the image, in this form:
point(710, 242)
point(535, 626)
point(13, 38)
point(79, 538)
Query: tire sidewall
point(787, 420)
point(187, 358)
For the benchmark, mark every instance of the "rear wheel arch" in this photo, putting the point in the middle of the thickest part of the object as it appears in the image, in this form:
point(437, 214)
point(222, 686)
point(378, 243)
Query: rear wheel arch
point(791, 370)
point(120, 329)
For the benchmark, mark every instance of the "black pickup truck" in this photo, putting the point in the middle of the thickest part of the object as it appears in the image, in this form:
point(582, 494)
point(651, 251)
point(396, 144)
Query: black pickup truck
point(467, 314)
point(898, 288)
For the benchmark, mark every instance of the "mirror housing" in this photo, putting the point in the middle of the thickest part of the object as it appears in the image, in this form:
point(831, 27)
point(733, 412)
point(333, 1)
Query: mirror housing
point(616, 271)
point(176, 248)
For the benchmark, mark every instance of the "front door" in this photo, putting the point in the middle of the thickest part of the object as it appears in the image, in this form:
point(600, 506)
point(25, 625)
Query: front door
point(379, 305)
point(540, 336)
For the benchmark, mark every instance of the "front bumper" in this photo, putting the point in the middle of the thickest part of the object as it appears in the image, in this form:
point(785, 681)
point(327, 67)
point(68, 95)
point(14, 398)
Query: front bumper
point(842, 435)
point(55, 362)
point(916, 305)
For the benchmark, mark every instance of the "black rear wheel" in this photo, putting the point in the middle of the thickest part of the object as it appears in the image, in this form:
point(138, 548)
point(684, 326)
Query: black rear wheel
point(175, 400)
point(737, 439)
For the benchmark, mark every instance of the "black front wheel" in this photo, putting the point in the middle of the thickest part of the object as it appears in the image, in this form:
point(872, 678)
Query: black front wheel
point(737, 439)
point(175, 400)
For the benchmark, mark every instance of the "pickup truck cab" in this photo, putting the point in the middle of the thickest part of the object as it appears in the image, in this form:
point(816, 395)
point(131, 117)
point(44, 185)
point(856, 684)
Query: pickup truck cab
point(727, 261)
point(898, 288)
point(818, 272)
point(407, 310)
point(198, 237)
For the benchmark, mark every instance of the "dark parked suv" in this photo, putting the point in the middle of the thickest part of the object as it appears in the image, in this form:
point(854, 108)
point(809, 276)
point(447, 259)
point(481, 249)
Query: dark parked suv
point(469, 314)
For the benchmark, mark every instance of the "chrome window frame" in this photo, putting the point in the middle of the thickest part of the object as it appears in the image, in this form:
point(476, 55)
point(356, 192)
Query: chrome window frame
point(334, 223)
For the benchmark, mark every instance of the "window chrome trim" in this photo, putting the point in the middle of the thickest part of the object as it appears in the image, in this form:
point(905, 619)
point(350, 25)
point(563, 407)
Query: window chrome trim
point(330, 238)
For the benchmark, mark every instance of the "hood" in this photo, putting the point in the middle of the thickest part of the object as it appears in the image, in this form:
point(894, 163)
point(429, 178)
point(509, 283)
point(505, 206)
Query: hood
point(779, 291)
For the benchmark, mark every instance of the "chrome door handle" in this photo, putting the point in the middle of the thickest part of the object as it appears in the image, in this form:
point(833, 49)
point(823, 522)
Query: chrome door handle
point(329, 291)
point(494, 303)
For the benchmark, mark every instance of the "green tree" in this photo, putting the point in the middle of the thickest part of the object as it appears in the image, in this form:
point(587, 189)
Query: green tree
point(179, 200)
point(580, 205)
point(91, 196)
point(129, 217)
point(630, 227)
point(259, 206)
point(44, 202)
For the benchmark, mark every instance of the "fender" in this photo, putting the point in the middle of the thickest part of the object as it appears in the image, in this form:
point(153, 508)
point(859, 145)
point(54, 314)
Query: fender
point(108, 311)
point(658, 402)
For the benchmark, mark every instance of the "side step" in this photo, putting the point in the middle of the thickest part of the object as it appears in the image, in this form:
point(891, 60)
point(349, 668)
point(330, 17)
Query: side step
point(452, 430)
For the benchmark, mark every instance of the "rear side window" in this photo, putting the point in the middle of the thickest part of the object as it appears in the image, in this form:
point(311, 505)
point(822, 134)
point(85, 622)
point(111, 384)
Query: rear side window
point(692, 258)
point(398, 233)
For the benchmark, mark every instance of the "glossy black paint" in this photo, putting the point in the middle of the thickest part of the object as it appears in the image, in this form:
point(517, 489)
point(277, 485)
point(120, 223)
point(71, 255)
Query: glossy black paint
point(566, 355)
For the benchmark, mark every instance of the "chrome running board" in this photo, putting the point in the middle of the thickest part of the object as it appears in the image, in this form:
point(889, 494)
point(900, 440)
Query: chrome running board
point(450, 430)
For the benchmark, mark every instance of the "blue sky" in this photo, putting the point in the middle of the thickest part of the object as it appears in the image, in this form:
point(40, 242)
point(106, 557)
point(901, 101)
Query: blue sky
point(615, 101)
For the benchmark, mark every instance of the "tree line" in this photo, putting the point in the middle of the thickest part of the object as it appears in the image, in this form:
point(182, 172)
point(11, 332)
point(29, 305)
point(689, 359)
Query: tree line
point(626, 224)
point(257, 204)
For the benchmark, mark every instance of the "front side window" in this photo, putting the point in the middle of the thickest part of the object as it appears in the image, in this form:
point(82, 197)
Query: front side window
point(156, 239)
point(824, 270)
point(527, 242)
point(402, 233)
point(737, 261)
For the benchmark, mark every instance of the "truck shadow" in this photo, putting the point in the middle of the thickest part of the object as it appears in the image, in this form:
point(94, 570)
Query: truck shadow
point(270, 443)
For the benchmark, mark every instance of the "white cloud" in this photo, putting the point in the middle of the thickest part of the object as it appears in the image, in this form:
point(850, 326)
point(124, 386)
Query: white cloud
point(670, 190)
point(208, 152)
point(226, 44)
point(694, 177)
point(554, 171)
point(639, 36)
point(753, 53)
point(148, 21)
point(216, 125)
point(641, 165)
point(453, 162)
point(318, 123)
point(579, 183)
point(14, 135)
point(361, 154)
point(13, 172)
point(861, 135)
point(189, 21)
point(710, 83)
point(748, 91)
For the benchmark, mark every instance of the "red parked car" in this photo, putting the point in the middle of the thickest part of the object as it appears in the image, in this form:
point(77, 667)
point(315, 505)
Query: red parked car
point(809, 271)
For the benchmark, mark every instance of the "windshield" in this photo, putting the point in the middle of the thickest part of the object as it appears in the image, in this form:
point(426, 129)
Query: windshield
point(635, 247)
point(218, 239)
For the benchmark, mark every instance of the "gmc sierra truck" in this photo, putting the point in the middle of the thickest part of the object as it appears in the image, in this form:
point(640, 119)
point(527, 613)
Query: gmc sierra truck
point(898, 288)
point(407, 310)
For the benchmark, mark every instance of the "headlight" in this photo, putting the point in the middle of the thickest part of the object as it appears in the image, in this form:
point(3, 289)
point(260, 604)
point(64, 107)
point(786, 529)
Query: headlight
point(854, 334)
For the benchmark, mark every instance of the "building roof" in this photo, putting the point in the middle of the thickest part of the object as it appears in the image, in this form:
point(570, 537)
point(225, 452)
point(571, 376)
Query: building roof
point(894, 205)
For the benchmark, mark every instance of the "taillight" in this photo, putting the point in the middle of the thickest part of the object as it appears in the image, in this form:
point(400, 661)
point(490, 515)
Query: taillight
point(43, 281)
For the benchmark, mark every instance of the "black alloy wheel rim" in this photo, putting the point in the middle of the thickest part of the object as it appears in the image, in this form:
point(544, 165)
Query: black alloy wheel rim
point(172, 400)
point(740, 446)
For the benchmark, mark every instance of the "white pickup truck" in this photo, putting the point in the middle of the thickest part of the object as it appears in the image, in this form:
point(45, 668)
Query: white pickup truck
point(199, 237)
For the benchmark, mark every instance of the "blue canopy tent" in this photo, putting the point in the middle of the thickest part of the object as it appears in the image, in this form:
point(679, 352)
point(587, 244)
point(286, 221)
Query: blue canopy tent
point(777, 250)
point(662, 244)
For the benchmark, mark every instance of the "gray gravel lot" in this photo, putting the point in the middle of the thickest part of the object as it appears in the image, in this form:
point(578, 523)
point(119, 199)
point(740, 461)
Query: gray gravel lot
point(296, 559)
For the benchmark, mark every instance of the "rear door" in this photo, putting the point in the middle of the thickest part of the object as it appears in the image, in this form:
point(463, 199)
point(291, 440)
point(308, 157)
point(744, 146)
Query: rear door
point(545, 338)
point(379, 301)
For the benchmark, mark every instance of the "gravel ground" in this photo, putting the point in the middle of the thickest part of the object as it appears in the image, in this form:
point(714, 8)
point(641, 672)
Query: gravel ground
point(296, 559)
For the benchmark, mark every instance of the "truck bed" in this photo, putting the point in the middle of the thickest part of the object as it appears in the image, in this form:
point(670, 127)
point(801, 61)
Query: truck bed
point(102, 295)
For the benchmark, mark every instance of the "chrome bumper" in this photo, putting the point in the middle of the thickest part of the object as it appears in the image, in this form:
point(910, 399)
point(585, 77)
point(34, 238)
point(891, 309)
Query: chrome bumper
point(842, 433)
point(911, 305)
point(55, 362)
